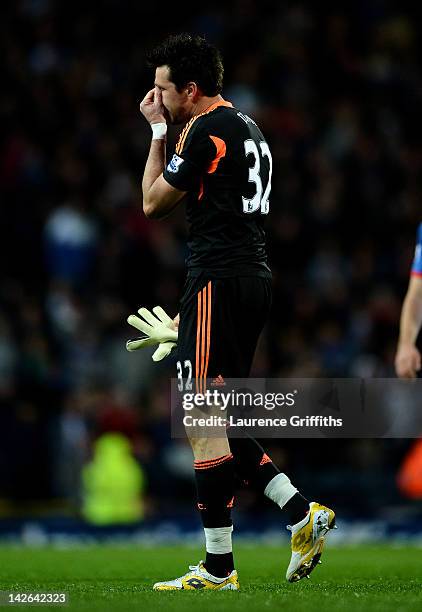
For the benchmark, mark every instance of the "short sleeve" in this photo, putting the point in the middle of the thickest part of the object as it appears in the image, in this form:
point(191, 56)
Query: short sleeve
point(417, 261)
point(193, 156)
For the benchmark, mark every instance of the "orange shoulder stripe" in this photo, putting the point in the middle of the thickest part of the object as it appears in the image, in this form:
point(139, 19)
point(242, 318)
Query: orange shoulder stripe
point(183, 134)
point(220, 145)
point(185, 131)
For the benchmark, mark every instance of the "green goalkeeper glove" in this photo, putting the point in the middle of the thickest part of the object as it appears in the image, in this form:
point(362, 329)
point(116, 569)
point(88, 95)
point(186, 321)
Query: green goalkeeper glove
point(158, 329)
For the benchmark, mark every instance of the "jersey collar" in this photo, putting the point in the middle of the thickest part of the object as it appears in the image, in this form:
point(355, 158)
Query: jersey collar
point(214, 106)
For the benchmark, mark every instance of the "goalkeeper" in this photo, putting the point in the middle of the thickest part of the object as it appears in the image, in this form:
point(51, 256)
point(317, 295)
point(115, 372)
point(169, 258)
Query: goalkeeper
point(223, 165)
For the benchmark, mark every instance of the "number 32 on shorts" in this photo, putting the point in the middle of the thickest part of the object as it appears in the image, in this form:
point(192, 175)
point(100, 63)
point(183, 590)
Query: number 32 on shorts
point(187, 365)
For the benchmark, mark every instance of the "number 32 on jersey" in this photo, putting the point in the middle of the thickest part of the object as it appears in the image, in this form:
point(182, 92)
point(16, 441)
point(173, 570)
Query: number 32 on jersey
point(260, 200)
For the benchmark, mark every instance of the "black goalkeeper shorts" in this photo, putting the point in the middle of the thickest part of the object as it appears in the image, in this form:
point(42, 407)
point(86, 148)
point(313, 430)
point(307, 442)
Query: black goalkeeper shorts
point(220, 323)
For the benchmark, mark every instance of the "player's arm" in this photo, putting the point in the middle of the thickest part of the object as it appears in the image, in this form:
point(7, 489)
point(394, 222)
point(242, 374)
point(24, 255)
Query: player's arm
point(408, 358)
point(159, 198)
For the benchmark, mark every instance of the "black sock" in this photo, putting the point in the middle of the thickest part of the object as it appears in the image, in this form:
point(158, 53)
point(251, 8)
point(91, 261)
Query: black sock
point(251, 463)
point(215, 489)
point(219, 566)
point(254, 467)
point(296, 508)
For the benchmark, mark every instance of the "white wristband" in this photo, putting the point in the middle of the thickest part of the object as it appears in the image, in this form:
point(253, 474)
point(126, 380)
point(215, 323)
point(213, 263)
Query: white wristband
point(159, 131)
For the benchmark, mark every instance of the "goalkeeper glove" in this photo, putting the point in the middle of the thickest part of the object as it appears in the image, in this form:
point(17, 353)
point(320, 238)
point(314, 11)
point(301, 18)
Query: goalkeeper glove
point(158, 329)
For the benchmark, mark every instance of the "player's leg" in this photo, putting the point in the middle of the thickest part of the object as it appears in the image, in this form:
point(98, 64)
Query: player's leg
point(215, 497)
point(254, 467)
point(252, 464)
point(214, 475)
point(213, 460)
point(310, 521)
point(214, 470)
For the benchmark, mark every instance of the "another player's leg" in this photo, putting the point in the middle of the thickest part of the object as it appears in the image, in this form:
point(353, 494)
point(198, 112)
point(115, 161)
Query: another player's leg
point(310, 521)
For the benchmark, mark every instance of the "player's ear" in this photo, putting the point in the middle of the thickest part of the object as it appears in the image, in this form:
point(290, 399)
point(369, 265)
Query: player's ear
point(192, 90)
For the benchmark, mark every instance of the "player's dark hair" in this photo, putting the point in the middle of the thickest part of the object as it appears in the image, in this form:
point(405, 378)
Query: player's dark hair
point(190, 58)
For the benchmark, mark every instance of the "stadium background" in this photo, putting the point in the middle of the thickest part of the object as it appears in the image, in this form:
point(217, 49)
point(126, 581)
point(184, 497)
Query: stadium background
point(337, 92)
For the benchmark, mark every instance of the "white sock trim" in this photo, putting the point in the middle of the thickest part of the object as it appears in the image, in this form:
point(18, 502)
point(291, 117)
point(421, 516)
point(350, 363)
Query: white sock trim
point(280, 490)
point(218, 540)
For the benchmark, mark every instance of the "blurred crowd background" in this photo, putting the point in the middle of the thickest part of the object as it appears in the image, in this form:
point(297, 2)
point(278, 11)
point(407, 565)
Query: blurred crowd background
point(337, 91)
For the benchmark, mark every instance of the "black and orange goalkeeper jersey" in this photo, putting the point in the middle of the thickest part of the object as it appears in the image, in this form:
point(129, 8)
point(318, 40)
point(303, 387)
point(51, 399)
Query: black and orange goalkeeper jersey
point(223, 161)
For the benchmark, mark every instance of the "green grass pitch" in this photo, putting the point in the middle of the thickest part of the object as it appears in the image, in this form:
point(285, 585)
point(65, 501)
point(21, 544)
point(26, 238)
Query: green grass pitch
point(103, 578)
